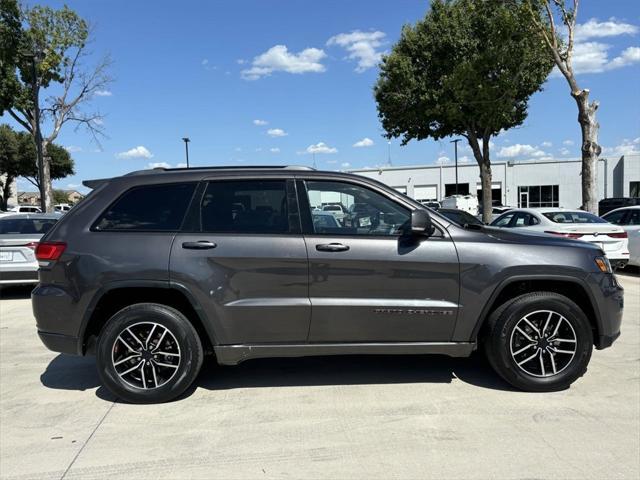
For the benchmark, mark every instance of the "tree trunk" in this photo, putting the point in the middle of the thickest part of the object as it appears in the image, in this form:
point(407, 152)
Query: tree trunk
point(484, 162)
point(590, 149)
point(6, 192)
point(46, 178)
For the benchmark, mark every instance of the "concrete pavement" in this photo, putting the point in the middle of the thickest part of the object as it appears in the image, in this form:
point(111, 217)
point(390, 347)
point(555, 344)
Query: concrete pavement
point(337, 417)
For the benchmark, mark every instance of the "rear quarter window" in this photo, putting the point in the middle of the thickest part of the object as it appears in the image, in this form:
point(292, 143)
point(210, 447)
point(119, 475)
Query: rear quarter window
point(148, 208)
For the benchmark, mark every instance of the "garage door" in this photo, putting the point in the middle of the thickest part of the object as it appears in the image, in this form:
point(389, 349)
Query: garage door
point(425, 192)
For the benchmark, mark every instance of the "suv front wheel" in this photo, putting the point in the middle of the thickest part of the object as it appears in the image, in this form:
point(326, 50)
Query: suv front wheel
point(148, 353)
point(539, 342)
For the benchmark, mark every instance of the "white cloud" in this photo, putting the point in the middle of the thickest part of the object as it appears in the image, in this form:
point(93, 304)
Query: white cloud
point(546, 144)
point(73, 186)
point(519, 150)
point(610, 28)
point(345, 165)
point(362, 46)
point(442, 160)
point(102, 93)
point(565, 151)
point(274, 150)
point(260, 123)
point(279, 59)
point(206, 65)
point(464, 159)
point(136, 152)
point(158, 165)
point(204, 61)
point(568, 143)
point(593, 57)
point(276, 132)
point(241, 61)
point(98, 121)
point(181, 165)
point(320, 147)
point(73, 148)
point(365, 142)
point(627, 147)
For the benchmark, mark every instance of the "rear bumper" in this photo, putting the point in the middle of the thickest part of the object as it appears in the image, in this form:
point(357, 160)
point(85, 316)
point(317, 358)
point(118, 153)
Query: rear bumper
point(18, 275)
point(59, 343)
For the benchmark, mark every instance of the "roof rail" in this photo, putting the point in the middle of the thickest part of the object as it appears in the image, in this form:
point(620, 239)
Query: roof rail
point(237, 167)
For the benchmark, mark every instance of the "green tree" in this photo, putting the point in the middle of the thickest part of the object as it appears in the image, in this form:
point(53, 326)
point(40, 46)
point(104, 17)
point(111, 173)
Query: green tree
point(18, 159)
point(468, 69)
point(51, 52)
point(10, 37)
point(59, 196)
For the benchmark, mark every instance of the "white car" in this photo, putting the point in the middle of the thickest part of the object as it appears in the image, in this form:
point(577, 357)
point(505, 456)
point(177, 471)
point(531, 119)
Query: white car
point(577, 224)
point(466, 203)
point(21, 209)
point(629, 219)
point(335, 210)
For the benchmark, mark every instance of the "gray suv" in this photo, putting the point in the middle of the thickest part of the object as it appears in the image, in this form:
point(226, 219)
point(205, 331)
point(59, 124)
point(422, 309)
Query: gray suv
point(158, 268)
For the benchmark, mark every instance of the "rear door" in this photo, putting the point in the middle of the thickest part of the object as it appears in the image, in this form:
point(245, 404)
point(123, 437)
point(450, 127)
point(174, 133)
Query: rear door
point(242, 255)
point(367, 283)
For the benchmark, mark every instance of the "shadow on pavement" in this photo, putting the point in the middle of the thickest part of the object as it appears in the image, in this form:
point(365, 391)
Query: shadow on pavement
point(79, 373)
point(17, 292)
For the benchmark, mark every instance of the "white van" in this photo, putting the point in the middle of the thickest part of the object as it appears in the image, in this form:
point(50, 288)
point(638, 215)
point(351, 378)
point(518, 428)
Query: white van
point(466, 203)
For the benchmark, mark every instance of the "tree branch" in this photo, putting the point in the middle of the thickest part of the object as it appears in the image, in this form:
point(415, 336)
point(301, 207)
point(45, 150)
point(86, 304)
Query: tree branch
point(21, 121)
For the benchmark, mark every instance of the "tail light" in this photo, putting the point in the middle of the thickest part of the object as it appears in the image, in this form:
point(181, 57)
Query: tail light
point(49, 251)
point(618, 235)
point(566, 234)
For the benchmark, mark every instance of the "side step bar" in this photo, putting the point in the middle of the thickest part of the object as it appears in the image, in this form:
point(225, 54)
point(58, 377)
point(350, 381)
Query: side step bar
point(235, 354)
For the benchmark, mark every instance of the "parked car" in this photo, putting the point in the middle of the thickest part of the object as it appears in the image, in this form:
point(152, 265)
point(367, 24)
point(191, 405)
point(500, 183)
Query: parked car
point(22, 209)
point(357, 211)
point(62, 207)
point(19, 235)
point(324, 221)
point(629, 219)
point(607, 204)
point(467, 203)
point(459, 216)
point(575, 224)
point(336, 210)
point(156, 271)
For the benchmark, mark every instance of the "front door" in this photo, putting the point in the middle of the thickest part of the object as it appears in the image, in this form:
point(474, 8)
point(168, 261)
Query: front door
point(242, 255)
point(369, 283)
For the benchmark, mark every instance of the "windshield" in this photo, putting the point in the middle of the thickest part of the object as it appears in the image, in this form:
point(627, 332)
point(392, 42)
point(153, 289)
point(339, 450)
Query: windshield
point(573, 217)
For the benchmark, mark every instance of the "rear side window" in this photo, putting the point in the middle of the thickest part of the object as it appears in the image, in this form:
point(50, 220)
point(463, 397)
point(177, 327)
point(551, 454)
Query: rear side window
point(149, 208)
point(245, 206)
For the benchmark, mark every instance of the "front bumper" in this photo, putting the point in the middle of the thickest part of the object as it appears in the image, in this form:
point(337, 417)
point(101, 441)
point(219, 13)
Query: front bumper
point(609, 301)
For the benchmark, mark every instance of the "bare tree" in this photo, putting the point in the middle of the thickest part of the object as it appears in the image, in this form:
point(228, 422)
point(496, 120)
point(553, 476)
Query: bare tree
point(562, 51)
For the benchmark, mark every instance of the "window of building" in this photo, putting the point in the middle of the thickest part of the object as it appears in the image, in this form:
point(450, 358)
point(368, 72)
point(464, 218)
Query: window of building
point(634, 189)
point(538, 196)
point(245, 206)
point(152, 207)
point(369, 213)
point(450, 189)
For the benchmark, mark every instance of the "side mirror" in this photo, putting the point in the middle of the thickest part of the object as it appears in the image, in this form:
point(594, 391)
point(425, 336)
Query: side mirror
point(421, 222)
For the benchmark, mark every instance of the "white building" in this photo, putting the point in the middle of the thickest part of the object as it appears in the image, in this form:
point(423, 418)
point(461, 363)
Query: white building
point(554, 183)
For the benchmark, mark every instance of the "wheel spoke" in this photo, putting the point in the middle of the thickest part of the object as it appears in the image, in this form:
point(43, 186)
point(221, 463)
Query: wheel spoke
point(164, 364)
point(535, 329)
point(126, 359)
point(546, 324)
point(525, 334)
point(132, 368)
point(160, 341)
point(136, 338)
point(557, 350)
point(146, 342)
point(523, 349)
point(542, 362)
point(565, 340)
point(555, 332)
point(553, 362)
point(129, 347)
point(169, 354)
point(144, 381)
point(528, 358)
point(155, 378)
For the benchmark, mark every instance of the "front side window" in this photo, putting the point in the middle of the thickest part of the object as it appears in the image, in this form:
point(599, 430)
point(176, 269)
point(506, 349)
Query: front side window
point(617, 218)
point(149, 208)
point(503, 221)
point(245, 206)
point(634, 217)
point(373, 213)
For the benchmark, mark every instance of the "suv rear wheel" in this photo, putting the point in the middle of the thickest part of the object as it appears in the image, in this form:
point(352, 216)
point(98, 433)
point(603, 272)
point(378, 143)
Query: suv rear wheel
point(148, 353)
point(539, 342)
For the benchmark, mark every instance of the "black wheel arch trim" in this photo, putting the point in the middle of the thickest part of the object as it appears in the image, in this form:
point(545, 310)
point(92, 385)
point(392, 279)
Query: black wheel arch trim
point(159, 284)
point(520, 278)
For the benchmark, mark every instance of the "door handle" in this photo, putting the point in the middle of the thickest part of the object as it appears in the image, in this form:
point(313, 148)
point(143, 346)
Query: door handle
point(199, 245)
point(332, 247)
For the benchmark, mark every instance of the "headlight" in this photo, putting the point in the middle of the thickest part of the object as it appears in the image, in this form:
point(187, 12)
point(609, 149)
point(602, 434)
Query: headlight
point(603, 264)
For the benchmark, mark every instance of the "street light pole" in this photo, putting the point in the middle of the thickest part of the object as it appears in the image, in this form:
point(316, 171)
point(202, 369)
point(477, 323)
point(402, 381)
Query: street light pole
point(389, 152)
point(186, 148)
point(455, 146)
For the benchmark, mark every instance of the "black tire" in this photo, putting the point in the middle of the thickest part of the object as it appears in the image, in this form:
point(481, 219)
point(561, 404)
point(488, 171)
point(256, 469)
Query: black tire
point(183, 338)
point(502, 323)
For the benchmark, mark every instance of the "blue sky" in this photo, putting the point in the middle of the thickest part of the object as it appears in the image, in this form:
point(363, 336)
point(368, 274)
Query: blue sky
point(266, 82)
